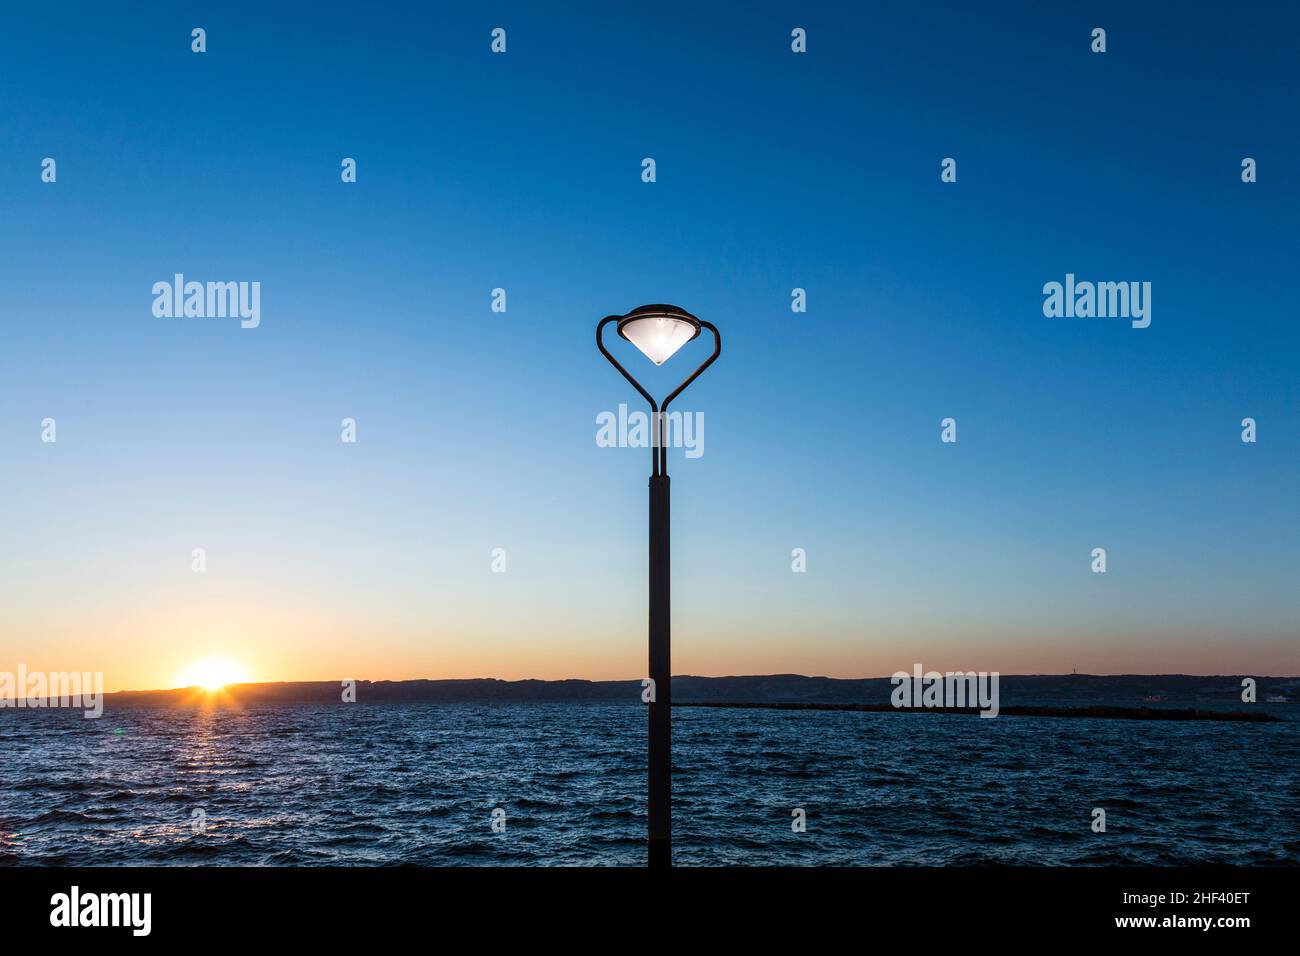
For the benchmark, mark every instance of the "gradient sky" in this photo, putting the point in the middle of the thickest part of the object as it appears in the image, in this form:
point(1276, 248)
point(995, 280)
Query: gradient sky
point(477, 430)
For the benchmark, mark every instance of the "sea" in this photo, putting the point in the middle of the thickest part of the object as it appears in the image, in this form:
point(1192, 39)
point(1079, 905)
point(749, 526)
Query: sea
point(563, 784)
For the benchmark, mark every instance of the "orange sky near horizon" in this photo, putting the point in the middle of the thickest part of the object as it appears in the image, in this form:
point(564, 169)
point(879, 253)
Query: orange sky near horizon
point(317, 650)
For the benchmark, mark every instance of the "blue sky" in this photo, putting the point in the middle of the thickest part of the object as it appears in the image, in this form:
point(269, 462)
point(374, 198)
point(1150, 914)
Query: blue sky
point(476, 429)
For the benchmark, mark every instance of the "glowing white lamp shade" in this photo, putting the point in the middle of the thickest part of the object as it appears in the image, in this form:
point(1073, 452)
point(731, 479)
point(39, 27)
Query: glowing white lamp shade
point(658, 331)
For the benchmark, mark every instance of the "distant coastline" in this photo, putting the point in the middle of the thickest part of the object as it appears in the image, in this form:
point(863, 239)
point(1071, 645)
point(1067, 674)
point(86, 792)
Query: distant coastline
point(1094, 711)
point(1129, 696)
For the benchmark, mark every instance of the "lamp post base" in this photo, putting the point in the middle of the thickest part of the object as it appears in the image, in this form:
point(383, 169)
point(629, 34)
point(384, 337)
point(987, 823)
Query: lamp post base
point(661, 852)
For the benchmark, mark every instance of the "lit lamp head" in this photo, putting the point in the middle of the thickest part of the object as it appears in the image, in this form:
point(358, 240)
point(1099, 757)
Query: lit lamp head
point(658, 331)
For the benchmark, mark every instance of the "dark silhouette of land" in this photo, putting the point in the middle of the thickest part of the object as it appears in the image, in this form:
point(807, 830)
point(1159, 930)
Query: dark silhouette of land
point(1112, 713)
point(1138, 696)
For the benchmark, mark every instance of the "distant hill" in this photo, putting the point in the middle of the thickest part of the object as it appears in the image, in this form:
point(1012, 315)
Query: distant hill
point(771, 688)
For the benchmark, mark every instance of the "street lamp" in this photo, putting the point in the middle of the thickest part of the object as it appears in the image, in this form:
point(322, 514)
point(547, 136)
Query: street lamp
point(658, 331)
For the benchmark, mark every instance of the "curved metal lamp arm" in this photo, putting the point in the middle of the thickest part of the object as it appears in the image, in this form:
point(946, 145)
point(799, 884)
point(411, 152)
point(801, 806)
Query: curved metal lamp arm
point(717, 350)
point(658, 446)
point(654, 406)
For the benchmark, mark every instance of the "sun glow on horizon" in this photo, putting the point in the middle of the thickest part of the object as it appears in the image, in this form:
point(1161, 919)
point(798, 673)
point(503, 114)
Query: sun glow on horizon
point(212, 674)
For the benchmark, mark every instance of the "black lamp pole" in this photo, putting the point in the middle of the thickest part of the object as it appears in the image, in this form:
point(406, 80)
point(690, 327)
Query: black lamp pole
point(660, 776)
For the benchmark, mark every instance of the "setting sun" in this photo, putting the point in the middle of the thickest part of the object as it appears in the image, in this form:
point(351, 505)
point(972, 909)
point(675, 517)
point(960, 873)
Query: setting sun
point(212, 673)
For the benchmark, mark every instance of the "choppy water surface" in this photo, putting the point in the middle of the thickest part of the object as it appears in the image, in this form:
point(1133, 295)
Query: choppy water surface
point(417, 783)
